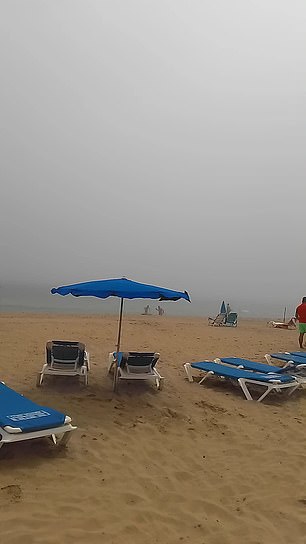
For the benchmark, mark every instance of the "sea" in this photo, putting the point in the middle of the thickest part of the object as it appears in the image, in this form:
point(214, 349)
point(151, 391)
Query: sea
point(36, 299)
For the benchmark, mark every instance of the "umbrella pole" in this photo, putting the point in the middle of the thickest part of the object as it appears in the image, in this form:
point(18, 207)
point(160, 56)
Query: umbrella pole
point(119, 326)
point(118, 345)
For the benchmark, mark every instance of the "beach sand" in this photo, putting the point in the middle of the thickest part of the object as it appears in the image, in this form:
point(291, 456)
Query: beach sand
point(189, 464)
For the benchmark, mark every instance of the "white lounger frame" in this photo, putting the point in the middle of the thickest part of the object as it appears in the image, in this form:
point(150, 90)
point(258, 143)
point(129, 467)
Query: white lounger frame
point(59, 435)
point(59, 368)
point(124, 374)
point(275, 385)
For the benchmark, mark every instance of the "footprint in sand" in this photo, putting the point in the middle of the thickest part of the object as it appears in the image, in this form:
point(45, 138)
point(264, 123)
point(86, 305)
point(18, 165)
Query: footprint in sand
point(12, 493)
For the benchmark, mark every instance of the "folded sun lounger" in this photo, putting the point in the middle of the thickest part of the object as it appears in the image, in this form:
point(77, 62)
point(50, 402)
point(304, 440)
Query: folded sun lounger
point(217, 321)
point(135, 365)
point(22, 419)
point(244, 378)
point(65, 358)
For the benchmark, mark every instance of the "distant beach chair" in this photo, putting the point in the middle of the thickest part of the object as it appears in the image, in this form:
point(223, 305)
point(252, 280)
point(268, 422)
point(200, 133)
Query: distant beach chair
point(22, 419)
point(217, 321)
point(244, 378)
point(65, 358)
point(290, 325)
point(231, 320)
point(135, 365)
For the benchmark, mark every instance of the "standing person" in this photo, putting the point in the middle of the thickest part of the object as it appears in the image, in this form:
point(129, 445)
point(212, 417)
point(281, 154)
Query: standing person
point(300, 315)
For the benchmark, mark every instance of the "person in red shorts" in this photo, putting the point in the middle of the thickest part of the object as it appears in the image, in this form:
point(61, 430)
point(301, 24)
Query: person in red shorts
point(300, 314)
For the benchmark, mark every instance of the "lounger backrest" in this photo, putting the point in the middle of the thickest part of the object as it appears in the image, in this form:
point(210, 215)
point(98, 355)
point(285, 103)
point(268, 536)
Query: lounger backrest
point(137, 362)
point(65, 353)
point(232, 318)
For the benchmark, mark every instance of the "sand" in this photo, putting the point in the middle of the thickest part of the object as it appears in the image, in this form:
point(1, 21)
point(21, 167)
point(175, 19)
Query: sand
point(189, 464)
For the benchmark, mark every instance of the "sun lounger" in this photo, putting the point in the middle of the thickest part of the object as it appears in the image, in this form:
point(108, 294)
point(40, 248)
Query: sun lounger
point(251, 365)
point(217, 321)
point(290, 359)
point(246, 364)
point(22, 419)
point(298, 353)
point(231, 320)
point(64, 358)
point(244, 378)
point(135, 366)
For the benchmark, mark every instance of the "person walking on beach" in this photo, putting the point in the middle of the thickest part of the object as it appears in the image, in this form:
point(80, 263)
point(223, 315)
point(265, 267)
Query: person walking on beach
point(300, 314)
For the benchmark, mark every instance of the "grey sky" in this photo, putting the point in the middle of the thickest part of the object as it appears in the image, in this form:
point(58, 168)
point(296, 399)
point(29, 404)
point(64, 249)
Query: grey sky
point(160, 140)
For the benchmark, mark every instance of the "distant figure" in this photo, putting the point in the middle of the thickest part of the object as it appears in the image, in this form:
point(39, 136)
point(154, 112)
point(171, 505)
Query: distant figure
point(300, 315)
point(160, 310)
point(282, 325)
point(146, 310)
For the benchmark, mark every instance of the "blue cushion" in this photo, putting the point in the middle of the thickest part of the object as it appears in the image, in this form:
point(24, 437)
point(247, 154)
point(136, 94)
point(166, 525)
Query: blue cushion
point(298, 353)
point(18, 411)
point(289, 357)
point(236, 373)
point(252, 365)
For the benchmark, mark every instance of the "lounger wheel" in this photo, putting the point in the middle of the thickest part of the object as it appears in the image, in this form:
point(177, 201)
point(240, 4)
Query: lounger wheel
point(39, 380)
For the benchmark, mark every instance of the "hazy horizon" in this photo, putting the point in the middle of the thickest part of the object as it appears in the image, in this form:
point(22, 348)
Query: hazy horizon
point(31, 298)
point(158, 140)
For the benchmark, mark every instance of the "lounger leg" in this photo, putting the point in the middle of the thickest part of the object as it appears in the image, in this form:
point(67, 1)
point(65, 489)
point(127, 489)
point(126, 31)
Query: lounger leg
point(111, 362)
point(244, 388)
point(266, 393)
point(188, 371)
point(84, 374)
point(116, 379)
point(66, 437)
point(209, 373)
point(39, 379)
point(158, 379)
point(292, 389)
point(87, 360)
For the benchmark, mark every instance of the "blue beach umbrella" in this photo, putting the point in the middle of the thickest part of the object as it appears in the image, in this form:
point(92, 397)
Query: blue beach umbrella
point(122, 288)
point(223, 308)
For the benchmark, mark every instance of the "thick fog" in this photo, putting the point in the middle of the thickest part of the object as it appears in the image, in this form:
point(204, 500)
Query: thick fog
point(159, 140)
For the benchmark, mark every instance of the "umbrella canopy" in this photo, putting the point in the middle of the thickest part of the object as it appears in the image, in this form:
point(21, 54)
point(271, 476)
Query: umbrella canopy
point(223, 308)
point(122, 288)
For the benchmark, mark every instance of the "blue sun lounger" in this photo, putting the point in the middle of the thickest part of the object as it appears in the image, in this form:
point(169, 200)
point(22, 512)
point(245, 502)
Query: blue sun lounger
point(262, 367)
point(22, 419)
point(252, 365)
point(244, 378)
point(292, 360)
point(298, 353)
